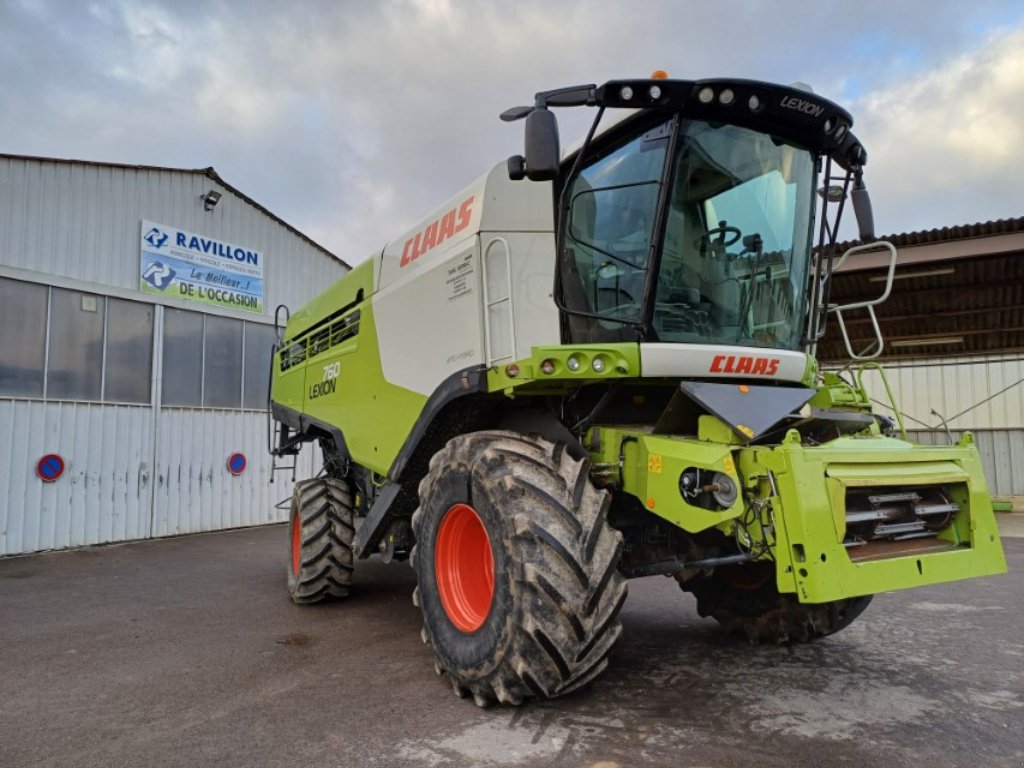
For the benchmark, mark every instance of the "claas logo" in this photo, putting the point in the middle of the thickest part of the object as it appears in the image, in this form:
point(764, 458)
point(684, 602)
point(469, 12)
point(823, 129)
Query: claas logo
point(453, 222)
point(756, 366)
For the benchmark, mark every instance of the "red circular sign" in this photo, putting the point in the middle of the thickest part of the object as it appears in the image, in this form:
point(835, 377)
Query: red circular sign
point(236, 463)
point(50, 467)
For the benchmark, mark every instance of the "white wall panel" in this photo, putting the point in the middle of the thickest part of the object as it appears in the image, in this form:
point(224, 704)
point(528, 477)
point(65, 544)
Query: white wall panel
point(194, 490)
point(105, 493)
point(1002, 455)
point(77, 225)
point(81, 222)
point(953, 385)
point(120, 484)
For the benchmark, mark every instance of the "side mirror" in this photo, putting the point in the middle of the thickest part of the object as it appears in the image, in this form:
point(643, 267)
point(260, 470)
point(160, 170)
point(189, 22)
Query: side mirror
point(543, 156)
point(862, 210)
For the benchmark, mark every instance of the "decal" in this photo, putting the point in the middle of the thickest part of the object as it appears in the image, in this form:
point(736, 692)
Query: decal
point(802, 105)
point(465, 354)
point(740, 364)
point(457, 280)
point(328, 385)
point(435, 233)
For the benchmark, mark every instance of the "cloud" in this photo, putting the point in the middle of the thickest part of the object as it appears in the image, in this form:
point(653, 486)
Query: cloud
point(352, 120)
point(945, 148)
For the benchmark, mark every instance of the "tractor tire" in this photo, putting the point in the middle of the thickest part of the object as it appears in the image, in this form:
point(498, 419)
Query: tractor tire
point(755, 609)
point(320, 533)
point(516, 568)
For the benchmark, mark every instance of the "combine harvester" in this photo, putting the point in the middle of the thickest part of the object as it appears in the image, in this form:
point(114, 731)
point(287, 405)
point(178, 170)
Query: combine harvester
point(550, 386)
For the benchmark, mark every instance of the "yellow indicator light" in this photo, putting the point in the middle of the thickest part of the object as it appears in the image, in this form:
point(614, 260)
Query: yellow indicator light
point(744, 388)
point(659, 74)
point(650, 503)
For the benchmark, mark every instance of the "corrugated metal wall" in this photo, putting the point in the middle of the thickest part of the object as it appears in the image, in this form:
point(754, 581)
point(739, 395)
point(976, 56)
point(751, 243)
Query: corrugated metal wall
point(123, 482)
point(970, 393)
point(134, 471)
point(82, 222)
point(1002, 454)
point(105, 493)
point(982, 394)
point(193, 490)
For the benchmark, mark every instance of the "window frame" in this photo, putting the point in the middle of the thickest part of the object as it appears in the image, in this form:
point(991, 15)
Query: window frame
point(156, 349)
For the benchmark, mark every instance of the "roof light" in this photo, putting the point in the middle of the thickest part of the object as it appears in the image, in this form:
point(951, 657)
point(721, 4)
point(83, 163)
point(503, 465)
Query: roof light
point(573, 363)
point(511, 370)
point(754, 103)
point(706, 95)
point(626, 93)
point(547, 367)
point(654, 92)
point(598, 365)
point(727, 97)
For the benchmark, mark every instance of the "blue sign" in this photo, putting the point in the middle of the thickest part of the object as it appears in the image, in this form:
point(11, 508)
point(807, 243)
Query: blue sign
point(184, 265)
point(236, 463)
point(50, 467)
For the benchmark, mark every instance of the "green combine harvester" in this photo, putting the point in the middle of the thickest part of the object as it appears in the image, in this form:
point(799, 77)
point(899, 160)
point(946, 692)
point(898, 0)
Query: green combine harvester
point(605, 371)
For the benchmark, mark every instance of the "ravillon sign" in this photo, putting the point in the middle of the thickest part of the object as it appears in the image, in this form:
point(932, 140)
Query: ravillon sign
point(186, 265)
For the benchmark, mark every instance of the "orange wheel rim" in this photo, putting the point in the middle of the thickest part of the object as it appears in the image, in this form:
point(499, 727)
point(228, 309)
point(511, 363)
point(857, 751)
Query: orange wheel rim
point(296, 545)
point(464, 567)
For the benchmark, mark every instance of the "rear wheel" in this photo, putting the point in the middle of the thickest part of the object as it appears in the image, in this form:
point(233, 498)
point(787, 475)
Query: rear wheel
point(746, 601)
point(320, 535)
point(516, 568)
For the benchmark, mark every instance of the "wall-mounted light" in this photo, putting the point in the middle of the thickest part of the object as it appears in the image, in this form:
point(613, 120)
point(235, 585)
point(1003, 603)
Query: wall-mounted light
point(210, 200)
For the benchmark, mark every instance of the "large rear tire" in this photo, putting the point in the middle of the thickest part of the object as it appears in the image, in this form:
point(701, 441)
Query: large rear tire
point(516, 568)
point(320, 535)
point(745, 601)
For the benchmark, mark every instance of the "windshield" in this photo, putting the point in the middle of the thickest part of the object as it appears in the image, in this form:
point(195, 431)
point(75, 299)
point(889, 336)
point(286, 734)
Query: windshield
point(735, 249)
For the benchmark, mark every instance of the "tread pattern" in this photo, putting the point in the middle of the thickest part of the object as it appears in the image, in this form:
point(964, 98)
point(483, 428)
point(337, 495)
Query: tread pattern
point(323, 507)
point(767, 616)
point(566, 589)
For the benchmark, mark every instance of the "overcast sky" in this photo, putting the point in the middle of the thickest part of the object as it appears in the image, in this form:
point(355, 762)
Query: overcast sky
point(351, 120)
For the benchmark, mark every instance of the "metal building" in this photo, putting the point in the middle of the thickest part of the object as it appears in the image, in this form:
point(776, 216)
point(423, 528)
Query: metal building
point(136, 323)
point(954, 338)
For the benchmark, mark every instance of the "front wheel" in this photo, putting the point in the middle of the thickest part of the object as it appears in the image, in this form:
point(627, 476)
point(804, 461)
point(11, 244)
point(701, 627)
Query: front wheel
point(745, 600)
point(516, 568)
point(320, 533)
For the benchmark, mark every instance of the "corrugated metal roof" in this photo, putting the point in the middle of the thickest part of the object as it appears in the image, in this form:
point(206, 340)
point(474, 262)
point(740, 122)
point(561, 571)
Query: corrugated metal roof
point(946, 234)
point(954, 306)
point(209, 173)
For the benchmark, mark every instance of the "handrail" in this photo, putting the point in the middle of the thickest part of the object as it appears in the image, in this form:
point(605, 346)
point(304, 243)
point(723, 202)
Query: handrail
point(888, 391)
point(878, 344)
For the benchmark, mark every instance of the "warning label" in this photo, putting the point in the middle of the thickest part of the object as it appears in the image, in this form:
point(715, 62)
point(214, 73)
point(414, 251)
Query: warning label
point(459, 280)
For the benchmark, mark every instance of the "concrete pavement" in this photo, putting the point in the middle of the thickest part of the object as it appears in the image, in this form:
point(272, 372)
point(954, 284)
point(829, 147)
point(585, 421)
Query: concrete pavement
point(187, 652)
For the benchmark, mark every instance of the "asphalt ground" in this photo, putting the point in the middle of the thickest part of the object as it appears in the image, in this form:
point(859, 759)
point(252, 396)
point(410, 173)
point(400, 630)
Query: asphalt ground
point(188, 652)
